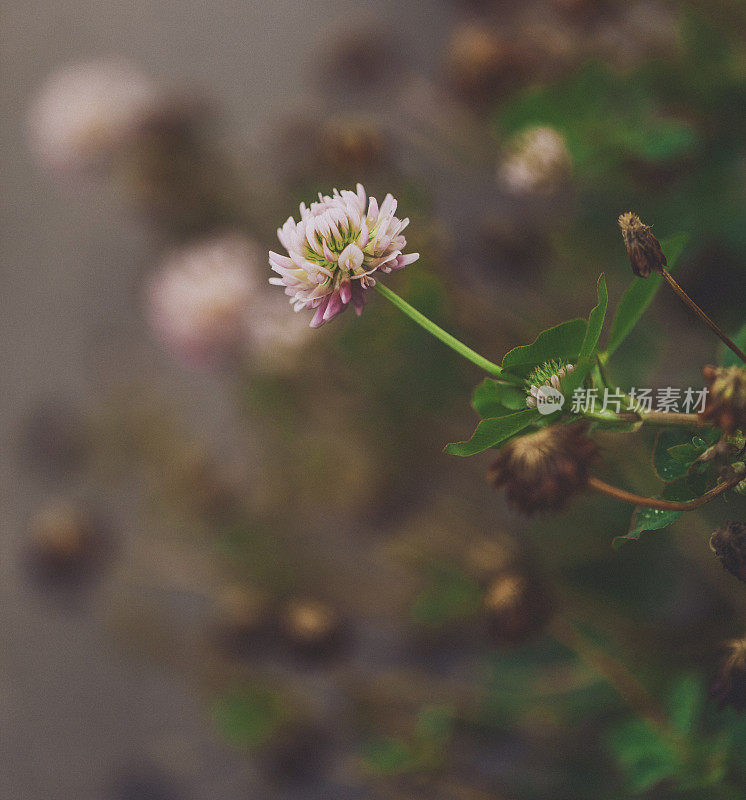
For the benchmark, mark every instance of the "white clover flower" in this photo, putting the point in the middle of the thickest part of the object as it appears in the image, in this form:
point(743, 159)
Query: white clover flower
point(549, 374)
point(84, 111)
point(334, 249)
point(200, 300)
point(537, 160)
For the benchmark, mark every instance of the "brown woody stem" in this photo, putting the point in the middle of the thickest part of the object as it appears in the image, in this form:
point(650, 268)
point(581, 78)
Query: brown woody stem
point(701, 314)
point(654, 502)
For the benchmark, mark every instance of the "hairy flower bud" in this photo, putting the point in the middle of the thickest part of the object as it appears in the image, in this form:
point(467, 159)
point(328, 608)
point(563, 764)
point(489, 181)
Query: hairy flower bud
point(643, 249)
point(726, 400)
point(729, 687)
point(543, 470)
point(729, 544)
point(517, 607)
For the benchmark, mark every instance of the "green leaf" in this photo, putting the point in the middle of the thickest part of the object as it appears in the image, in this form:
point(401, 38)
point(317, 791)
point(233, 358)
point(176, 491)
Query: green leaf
point(595, 320)
point(493, 431)
point(249, 716)
point(685, 703)
point(494, 399)
point(666, 465)
point(726, 357)
point(563, 341)
point(654, 519)
point(646, 757)
point(449, 595)
point(640, 294)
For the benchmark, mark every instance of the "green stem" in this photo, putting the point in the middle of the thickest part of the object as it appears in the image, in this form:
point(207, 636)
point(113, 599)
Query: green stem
point(648, 418)
point(439, 333)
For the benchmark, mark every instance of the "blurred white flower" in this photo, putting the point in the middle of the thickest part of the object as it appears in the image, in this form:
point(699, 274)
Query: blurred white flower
point(83, 112)
point(200, 300)
point(334, 249)
point(536, 161)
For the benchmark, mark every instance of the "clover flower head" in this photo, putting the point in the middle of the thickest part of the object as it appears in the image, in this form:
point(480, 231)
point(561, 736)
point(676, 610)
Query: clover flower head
point(200, 299)
point(536, 162)
point(551, 374)
point(334, 250)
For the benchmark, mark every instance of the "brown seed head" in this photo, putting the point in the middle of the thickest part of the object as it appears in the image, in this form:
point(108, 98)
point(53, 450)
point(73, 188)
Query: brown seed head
point(643, 249)
point(729, 544)
point(729, 687)
point(543, 470)
point(725, 406)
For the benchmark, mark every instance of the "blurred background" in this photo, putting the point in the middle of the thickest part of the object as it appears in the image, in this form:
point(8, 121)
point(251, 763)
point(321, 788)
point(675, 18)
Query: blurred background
point(234, 561)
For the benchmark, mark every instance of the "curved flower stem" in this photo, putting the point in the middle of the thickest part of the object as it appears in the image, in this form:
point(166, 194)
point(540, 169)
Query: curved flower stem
point(701, 314)
point(439, 333)
point(654, 502)
point(624, 682)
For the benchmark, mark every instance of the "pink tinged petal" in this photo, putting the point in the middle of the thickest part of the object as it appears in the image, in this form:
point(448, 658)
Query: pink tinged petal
point(555, 382)
point(405, 260)
point(333, 307)
point(361, 194)
point(328, 255)
point(345, 292)
point(318, 318)
point(531, 402)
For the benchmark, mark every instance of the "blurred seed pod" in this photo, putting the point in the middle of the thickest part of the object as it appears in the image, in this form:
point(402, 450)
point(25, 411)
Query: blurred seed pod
point(63, 542)
point(352, 144)
point(53, 438)
point(358, 53)
point(311, 627)
point(481, 63)
point(241, 615)
point(517, 607)
point(486, 558)
point(729, 686)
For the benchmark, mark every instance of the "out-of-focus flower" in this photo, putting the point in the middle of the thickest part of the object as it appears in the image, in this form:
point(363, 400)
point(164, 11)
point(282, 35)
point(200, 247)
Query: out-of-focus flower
point(728, 543)
point(643, 248)
point(725, 406)
point(201, 298)
point(544, 470)
point(536, 162)
point(84, 112)
point(729, 687)
point(334, 249)
point(517, 607)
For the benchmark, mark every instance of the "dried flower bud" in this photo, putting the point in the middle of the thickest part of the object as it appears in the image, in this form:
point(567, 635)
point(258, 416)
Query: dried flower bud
point(543, 470)
point(643, 249)
point(729, 544)
point(726, 399)
point(517, 607)
point(729, 687)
